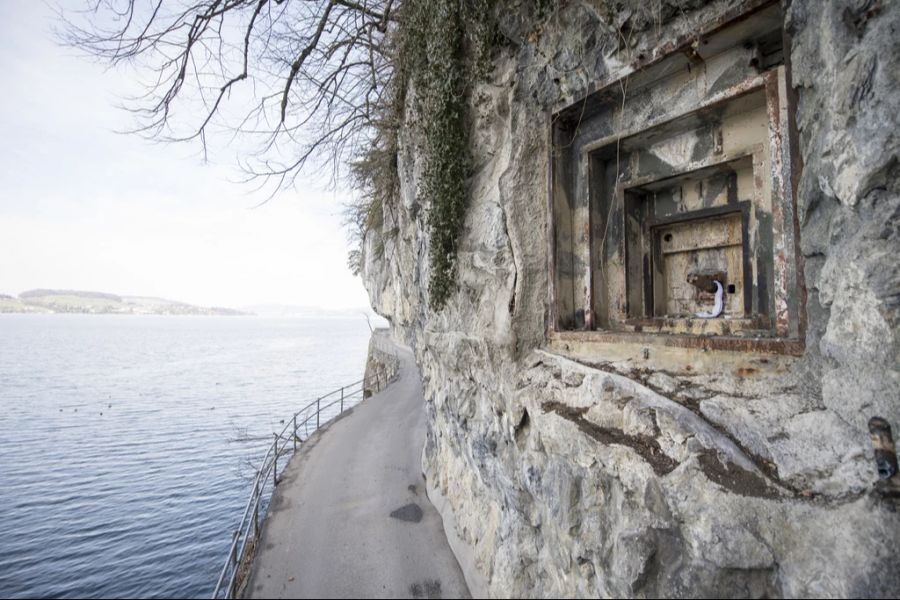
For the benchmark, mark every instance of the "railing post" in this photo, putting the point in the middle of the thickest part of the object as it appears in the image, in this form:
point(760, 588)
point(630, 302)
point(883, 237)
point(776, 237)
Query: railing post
point(275, 462)
point(295, 433)
point(233, 559)
point(255, 500)
point(342, 399)
point(318, 400)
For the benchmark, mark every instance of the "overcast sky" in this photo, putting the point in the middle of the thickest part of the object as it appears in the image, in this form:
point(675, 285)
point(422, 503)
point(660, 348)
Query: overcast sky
point(83, 207)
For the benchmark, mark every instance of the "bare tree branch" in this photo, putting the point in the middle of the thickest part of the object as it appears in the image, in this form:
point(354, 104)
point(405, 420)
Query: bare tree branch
point(300, 81)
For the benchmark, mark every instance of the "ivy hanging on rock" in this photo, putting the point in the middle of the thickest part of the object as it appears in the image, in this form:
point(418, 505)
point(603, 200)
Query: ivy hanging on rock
point(443, 48)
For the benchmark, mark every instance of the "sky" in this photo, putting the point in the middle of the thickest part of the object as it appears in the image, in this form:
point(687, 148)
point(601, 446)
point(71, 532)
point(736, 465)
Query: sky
point(85, 207)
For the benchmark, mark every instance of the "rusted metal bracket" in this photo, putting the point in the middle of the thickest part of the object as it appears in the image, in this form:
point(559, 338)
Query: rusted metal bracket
point(888, 484)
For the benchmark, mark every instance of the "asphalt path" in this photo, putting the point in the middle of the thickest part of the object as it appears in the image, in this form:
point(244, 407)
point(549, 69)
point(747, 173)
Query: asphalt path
point(350, 518)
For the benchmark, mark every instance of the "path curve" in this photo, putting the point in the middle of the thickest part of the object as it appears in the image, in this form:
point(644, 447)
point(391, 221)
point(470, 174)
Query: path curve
point(350, 517)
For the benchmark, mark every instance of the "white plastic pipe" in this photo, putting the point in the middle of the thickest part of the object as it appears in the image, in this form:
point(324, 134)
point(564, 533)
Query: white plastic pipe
point(717, 309)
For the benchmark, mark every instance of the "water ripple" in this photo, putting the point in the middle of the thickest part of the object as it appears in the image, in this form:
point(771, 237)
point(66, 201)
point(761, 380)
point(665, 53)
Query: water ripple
point(139, 501)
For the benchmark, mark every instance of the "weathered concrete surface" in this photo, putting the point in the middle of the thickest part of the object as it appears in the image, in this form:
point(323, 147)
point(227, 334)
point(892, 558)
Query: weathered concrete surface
point(350, 518)
point(639, 469)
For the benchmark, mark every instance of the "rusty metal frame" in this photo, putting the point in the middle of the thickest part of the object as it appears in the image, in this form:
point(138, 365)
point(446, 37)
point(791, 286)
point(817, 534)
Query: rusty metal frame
point(787, 266)
point(755, 153)
point(782, 326)
point(551, 229)
point(589, 322)
point(749, 85)
point(794, 161)
point(790, 321)
point(741, 208)
point(681, 44)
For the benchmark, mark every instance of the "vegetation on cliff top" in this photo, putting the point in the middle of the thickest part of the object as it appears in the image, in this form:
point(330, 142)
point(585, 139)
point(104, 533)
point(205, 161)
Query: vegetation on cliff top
point(442, 47)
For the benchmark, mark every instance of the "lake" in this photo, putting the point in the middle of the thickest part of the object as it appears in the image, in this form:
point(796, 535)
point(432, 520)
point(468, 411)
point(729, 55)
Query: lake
point(127, 443)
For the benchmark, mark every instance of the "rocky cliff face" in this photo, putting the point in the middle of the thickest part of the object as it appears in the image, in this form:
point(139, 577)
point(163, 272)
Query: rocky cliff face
point(649, 470)
point(382, 364)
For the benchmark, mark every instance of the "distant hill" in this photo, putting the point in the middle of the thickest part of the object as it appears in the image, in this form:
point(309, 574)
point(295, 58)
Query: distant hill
point(86, 302)
point(46, 293)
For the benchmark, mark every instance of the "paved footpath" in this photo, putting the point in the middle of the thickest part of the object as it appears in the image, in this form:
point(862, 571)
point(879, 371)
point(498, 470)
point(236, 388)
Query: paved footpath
point(350, 518)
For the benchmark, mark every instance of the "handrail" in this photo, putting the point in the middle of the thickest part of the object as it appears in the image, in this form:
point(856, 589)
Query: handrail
point(245, 537)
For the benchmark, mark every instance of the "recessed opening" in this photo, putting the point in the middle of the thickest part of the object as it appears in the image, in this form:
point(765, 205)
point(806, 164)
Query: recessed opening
point(684, 233)
point(677, 190)
point(676, 208)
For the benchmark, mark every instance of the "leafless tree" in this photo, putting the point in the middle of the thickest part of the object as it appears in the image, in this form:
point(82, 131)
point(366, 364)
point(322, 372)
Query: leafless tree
point(368, 322)
point(303, 81)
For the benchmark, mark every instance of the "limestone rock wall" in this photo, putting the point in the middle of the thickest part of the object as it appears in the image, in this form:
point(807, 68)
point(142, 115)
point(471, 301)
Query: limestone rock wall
point(646, 470)
point(382, 363)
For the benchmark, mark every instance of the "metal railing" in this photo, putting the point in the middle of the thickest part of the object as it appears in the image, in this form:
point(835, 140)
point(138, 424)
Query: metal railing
point(296, 431)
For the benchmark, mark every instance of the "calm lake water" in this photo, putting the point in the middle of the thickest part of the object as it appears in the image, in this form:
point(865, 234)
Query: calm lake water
point(126, 441)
